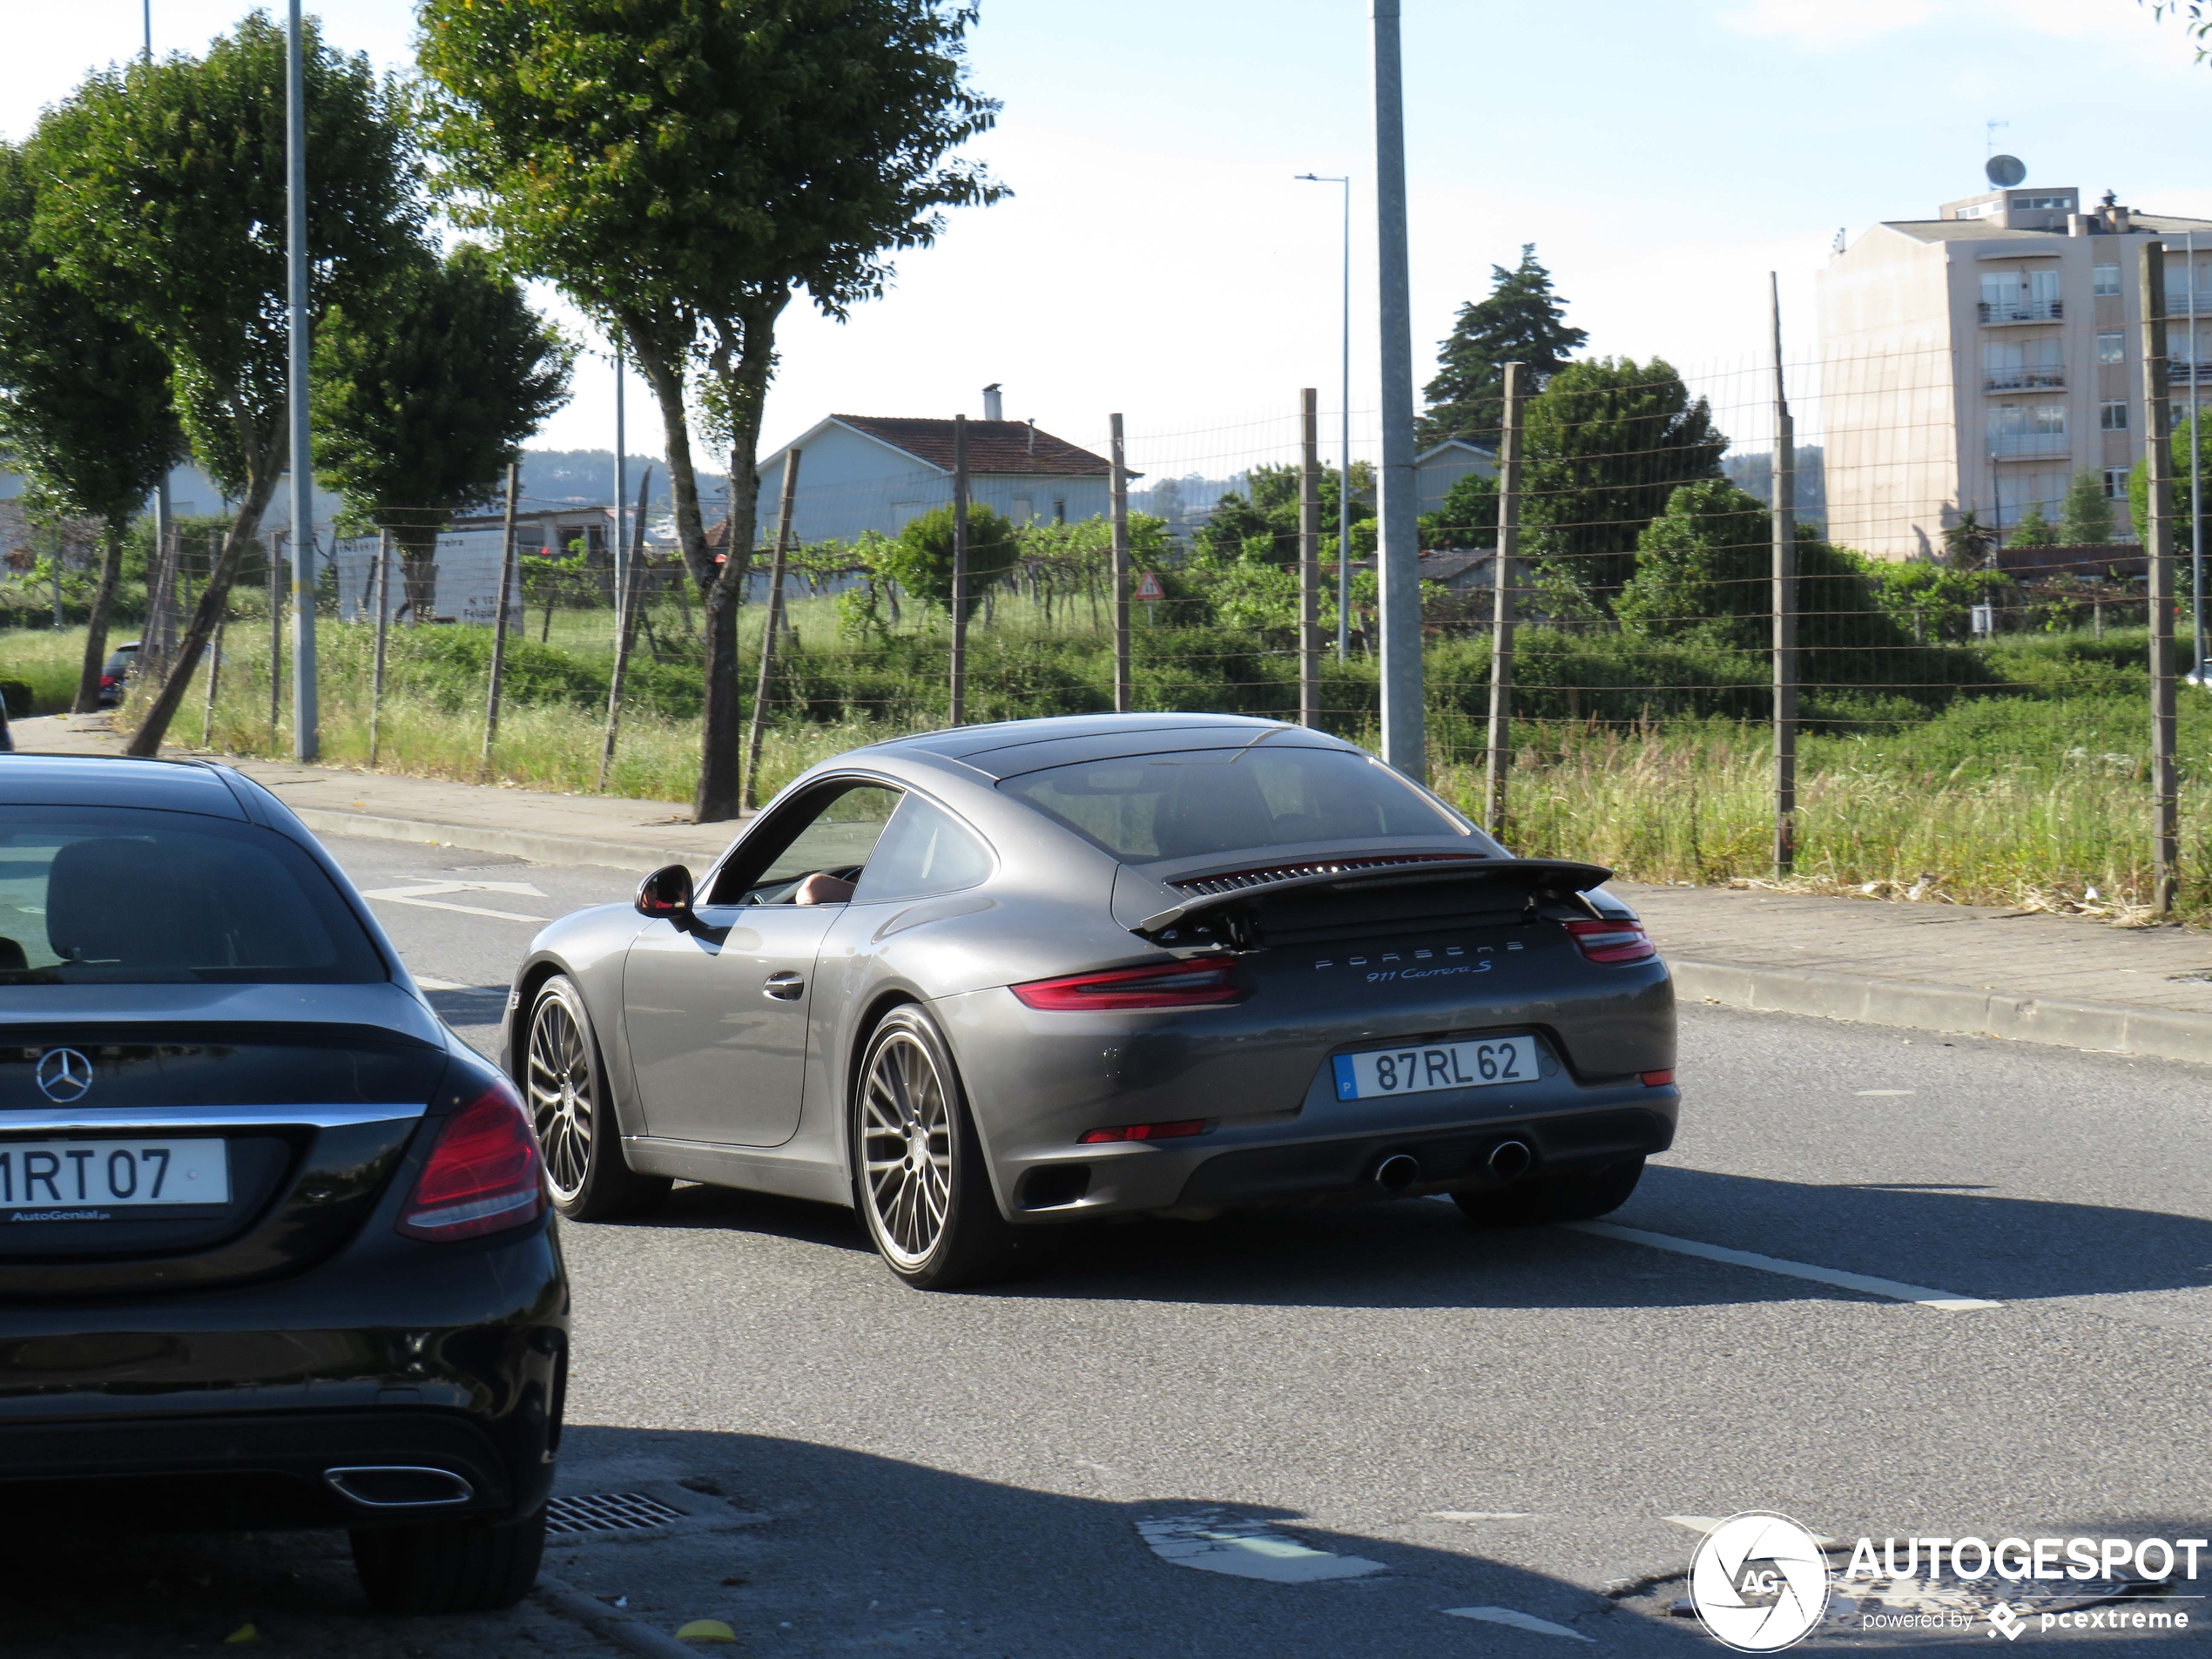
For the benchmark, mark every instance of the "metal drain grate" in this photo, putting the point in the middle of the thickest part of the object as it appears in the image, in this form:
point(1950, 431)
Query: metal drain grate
point(608, 1512)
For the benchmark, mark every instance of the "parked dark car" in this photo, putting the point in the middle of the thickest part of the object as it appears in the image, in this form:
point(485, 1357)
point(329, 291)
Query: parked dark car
point(275, 1248)
point(115, 673)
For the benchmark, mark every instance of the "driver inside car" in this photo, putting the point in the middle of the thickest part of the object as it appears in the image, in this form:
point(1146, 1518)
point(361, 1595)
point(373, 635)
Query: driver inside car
point(821, 887)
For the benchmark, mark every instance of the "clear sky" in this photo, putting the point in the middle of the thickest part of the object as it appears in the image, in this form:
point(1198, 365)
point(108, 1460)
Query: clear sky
point(1159, 258)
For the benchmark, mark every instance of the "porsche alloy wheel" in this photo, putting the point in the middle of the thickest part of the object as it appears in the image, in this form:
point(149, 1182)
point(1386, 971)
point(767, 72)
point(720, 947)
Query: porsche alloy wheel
point(921, 1184)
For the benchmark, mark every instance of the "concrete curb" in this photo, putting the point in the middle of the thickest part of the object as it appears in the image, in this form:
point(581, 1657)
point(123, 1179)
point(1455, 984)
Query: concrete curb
point(540, 848)
point(611, 1625)
point(2161, 1034)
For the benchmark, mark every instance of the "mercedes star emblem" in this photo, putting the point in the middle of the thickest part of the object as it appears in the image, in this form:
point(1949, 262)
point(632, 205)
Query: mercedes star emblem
point(64, 1076)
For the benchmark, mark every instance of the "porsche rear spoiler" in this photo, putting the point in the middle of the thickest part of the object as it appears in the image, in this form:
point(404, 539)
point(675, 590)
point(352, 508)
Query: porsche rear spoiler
point(1539, 878)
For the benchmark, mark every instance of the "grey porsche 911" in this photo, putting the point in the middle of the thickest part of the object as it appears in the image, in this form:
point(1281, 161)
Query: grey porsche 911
point(979, 981)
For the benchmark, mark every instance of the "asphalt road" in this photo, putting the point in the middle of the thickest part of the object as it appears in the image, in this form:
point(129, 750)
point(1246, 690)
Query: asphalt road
point(1501, 1422)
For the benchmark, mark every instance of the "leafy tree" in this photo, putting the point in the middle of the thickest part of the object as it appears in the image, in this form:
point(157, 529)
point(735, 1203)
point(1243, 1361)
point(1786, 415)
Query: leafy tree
point(1932, 602)
point(920, 560)
point(1520, 321)
point(2086, 514)
point(84, 408)
point(1968, 543)
point(423, 390)
point(2139, 483)
point(1607, 443)
point(2033, 529)
point(1705, 571)
point(1263, 523)
point(161, 194)
point(681, 168)
point(1468, 517)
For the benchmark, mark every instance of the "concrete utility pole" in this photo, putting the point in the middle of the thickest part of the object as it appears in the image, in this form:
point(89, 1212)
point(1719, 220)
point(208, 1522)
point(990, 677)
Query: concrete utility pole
point(1397, 543)
point(960, 571)
point(2196, 482)
point(1309, 560)
point(1123, 692)
point(383, 639)
point(2159, 551)
point(306, 737)
point(1784, 476)
point(1500, 748)
point(1344, 432)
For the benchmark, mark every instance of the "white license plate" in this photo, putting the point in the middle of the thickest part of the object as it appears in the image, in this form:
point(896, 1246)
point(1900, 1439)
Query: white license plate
point(1422, 1069)
point(41, 1177)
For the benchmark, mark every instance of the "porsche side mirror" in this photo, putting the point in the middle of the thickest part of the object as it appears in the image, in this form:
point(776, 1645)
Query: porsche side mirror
point(666, 896)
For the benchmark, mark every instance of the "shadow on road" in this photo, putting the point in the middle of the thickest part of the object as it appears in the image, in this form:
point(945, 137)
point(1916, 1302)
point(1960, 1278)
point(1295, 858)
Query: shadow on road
point(817, 1549)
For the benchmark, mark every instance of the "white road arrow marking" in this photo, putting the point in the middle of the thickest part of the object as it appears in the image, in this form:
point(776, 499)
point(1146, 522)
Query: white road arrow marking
point(418, 893)
point(1215, 1542)
point(1518, 1620)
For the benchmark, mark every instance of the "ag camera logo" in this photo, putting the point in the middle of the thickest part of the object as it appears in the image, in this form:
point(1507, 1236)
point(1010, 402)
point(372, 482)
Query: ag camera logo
point(1759, 1582)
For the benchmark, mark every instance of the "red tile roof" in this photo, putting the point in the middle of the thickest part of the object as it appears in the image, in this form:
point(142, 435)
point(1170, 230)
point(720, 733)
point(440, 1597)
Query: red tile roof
point(998, 446)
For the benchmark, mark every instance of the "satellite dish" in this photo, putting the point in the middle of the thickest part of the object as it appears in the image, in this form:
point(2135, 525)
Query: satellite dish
point(2005, 171)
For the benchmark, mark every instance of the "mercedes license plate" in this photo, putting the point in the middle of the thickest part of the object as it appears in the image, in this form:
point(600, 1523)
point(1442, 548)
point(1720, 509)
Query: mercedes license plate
point(1420, 1069)
point(39, 1179)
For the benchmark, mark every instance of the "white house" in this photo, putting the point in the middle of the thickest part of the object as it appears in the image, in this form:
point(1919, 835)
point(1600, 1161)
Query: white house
point(1436, 471)
point(860, 472)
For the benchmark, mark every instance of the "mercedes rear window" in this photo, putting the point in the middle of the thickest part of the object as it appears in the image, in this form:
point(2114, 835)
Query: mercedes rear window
point(1202, 802)
point(119, 896)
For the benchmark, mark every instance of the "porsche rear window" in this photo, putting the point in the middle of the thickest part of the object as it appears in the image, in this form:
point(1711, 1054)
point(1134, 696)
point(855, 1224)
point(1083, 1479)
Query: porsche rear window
point(118, 896)
point(1202, 802)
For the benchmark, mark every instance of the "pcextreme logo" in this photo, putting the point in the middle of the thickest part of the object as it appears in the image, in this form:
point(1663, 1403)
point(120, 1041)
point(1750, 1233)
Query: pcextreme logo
point(1759, 1582)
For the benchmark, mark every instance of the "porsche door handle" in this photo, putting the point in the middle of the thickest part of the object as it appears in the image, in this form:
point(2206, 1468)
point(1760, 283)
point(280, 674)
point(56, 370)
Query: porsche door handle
point(784, 988)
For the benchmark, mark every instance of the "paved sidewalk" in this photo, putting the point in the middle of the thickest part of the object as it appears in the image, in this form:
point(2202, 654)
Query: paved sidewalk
point(638, 835)
point(2035, 977)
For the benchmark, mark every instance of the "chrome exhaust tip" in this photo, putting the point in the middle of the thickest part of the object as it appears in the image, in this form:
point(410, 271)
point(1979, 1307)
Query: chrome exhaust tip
point(398, 1485)
point(1398, 1171)
point(1509, 1160)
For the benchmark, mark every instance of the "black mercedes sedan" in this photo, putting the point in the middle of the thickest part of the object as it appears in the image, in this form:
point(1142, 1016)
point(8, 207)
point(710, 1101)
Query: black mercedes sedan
point(275, 1247)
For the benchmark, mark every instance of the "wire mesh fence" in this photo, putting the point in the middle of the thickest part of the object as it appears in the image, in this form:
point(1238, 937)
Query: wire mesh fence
point(1971, 602)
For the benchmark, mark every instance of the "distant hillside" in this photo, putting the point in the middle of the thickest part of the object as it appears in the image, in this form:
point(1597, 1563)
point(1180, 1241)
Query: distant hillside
point(1753, 472)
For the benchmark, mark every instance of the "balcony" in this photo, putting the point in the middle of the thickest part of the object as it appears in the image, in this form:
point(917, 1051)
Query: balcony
point(2028, 380)
point(2023, 310)
point(2024, 446)
point(2178, 373)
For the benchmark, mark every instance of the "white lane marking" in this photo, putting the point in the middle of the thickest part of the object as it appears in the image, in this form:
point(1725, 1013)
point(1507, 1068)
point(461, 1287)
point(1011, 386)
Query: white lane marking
point(1882, 1094)
point(1481, 1514)
point(1518, 1620)
point(1215, 1541)
point(1894, 1290)
point(428, 984)
point(419, 894)
point(1703, 1524)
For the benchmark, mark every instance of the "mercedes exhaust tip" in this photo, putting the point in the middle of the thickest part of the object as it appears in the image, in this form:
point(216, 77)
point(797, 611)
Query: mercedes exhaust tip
point(1509, 1160)
point(398, 1485)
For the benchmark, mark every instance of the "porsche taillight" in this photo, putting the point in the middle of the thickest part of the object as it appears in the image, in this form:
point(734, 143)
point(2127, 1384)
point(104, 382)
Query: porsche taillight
point(484, 1174)
point(1196, 983)
point(1613, 941)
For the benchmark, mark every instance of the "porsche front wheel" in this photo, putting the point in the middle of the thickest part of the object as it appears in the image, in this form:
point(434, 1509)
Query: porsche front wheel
point(564, 1081)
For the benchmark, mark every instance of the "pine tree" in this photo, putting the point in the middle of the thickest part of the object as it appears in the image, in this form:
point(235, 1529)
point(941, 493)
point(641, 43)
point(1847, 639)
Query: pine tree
point(2033, 529)
point(1521, 322)
point(2086, 514)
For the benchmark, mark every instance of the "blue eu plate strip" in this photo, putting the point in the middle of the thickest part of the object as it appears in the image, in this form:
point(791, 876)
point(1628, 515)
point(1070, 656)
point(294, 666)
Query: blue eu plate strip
point(1348, 1079)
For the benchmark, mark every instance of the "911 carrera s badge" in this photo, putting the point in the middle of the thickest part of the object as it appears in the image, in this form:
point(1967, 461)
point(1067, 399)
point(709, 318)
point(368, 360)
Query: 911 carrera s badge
point(1443, 961)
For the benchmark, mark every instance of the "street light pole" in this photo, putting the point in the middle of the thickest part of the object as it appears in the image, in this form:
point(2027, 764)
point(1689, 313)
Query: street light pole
point(624, 574)
point(305, 737)
point(2196, 478)
point(1397, 544)
point(1344, 437)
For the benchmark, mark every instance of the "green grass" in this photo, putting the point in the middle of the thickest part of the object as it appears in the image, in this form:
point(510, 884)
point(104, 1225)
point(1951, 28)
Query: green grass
point(2019, 778)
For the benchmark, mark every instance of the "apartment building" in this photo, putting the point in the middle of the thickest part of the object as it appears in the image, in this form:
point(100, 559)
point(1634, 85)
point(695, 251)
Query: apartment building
point(1979, 360)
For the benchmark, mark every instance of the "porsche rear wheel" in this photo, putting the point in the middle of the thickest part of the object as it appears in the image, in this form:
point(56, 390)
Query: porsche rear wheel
point(919, 1175)
point(564, 1080)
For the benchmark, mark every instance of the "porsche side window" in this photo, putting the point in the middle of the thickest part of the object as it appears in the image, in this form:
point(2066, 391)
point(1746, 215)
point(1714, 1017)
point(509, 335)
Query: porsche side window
point(832, 838)
point(926, 852)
